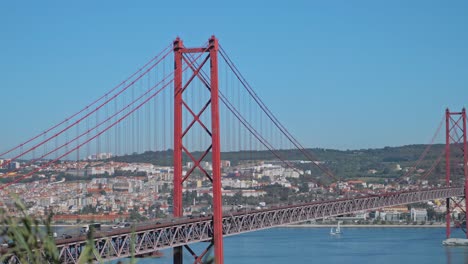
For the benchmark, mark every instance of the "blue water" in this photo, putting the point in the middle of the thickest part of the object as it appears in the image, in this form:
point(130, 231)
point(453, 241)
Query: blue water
point(316, 245)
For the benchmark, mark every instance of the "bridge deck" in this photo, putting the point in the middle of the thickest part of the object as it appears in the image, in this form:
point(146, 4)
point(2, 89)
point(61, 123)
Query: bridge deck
point(150, 238)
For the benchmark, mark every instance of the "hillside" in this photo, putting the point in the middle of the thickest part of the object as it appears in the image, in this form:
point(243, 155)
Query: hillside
point(378, 163)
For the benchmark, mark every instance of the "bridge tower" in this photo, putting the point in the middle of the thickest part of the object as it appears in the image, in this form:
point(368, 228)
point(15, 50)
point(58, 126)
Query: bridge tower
point(182, 55)
point(455, 147)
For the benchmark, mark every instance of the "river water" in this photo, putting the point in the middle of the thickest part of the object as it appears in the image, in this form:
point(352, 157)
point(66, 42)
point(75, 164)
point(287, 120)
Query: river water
point(316, 245)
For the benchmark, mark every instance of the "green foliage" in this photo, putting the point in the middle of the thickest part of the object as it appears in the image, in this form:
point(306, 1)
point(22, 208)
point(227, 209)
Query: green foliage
point(88, 209)
point(87, 256)
point(33, 178)
point(130, 173)
point(26, 238)
point(277, 193)
point(35, 245)
point(71, 178)
point(304, 187)
point(188, 197)
point(346, 163)
point(163, 158)
point(135, 216)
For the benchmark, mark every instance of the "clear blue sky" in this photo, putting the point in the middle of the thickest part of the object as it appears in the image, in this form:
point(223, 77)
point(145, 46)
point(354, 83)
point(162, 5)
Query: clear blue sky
point(339, 74)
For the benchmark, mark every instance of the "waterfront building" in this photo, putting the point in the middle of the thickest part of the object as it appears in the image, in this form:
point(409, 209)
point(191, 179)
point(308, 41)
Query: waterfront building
point(418, 215)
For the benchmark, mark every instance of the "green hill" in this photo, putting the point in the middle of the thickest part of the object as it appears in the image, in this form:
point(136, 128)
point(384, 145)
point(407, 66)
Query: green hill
point(387, 162)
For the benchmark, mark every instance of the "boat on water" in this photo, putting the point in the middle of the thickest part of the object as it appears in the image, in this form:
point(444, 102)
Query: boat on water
point(455, 242)
point(337, 230)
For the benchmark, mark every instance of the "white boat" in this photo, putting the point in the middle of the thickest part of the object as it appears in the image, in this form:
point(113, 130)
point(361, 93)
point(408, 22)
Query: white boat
point(337, 230)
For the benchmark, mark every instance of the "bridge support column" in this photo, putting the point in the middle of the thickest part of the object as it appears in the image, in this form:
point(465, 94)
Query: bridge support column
point(177, 209)
point(456, 143)
point(184, 58)
point(465, 167)
point(447, 171)
point(216, 155)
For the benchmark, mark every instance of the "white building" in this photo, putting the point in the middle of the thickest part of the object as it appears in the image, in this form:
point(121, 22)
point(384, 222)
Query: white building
point(290, 173)
point(100, 170)
point(418, 215)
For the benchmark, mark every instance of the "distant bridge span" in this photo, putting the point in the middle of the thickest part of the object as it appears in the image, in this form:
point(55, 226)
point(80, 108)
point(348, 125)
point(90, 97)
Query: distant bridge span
point(150, 238)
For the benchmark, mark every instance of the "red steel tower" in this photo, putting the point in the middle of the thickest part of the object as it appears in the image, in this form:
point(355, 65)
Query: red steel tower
point(455, 144)
point(183, 55)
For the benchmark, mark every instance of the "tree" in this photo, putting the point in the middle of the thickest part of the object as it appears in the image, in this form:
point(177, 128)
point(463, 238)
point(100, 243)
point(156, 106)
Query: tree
point(135, 216)
point(31, 244)
point(304, 187)
point(88, 209)
point(188, 197)
point(156, 211)
point(431, 213)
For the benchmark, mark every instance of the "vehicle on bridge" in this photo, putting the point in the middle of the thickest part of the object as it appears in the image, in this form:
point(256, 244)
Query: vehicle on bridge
point(66, 236)
point(87, 228)
point(124, 225)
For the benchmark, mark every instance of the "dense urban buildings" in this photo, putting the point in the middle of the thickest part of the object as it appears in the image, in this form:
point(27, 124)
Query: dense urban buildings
point(100, 189)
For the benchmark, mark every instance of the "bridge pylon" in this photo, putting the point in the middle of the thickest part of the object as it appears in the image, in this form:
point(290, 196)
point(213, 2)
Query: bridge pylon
point(183, 56)
point(456, 147)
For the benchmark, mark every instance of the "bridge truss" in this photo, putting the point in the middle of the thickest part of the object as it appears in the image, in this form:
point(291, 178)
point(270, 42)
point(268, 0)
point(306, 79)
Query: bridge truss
point(456, 152)
point(145, 240)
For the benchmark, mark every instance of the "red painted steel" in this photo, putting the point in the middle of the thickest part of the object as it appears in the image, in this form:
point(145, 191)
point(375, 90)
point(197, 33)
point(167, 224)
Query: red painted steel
point(162, 54)
point(177, 193)
point(104, 130)
point(465, 164)
point(184, 231)
point(216, 155)
point(455, 135)
point(215, 147)
point(447, 171)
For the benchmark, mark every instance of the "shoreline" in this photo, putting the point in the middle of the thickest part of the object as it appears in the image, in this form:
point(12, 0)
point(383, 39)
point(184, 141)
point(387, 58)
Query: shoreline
point(438, 225)
point(363, 226)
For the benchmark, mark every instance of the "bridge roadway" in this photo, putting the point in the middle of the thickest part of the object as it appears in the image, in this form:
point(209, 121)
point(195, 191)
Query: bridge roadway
point(148, 239)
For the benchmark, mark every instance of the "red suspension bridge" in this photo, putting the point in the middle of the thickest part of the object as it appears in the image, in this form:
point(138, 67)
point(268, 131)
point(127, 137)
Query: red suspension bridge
point(211, 108)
